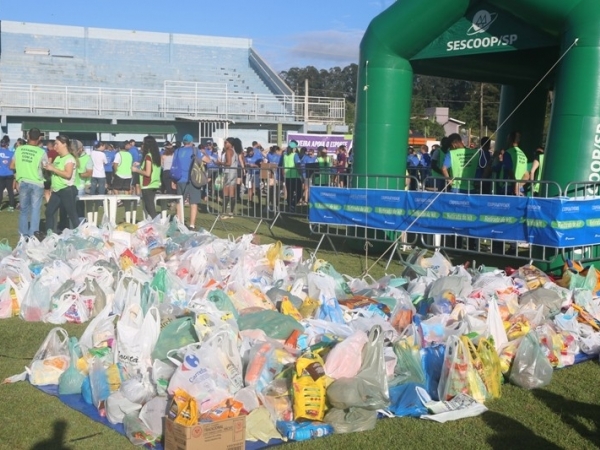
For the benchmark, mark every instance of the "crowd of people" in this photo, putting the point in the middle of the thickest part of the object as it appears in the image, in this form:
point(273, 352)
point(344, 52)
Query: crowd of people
point(454, 167)
point(60, 171)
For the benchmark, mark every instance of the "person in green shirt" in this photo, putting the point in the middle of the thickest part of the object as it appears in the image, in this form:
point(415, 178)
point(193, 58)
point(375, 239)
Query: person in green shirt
point(290, 164)
point(28, 161)
point(64, 192)
point(83, 175)
point(536, 168)
point(150, 174)
point(320, 177)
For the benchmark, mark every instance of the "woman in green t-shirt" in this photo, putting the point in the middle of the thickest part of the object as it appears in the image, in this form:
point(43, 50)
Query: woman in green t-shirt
point(150, 172)
point(64, 192)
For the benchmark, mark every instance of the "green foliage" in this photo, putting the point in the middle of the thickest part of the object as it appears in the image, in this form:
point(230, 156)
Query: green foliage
point(462, 97)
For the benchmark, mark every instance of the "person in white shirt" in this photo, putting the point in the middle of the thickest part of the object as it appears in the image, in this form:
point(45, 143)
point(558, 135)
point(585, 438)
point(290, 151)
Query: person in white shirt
point(98, 183)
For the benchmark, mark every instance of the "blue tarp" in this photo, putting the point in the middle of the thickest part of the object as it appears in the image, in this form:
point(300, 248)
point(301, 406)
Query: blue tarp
point(76, 402)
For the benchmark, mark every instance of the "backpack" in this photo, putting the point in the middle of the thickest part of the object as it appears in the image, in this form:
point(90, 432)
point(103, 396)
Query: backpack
point(198, 176)
point(176, 168)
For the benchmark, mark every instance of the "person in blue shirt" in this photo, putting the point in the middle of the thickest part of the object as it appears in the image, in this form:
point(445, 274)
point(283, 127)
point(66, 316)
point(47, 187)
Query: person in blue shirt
point(424, 164)
point(412, 166)
point(110, 153)
point(212, 168)
point(137, 158)
point(308, 158)
point(253, 161)
point(7, 176)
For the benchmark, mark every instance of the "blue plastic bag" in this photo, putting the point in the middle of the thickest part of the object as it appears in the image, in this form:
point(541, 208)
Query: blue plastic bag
point(405, 402)
point(432, 358)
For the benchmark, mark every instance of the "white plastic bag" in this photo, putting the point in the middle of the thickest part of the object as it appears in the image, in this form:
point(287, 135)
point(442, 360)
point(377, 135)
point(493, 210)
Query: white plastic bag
point(153, 414)
point(118, 406)
point(531, 368)
point(136, 337)
point(495, 325)
point(192, 375)
point(100, 331)
point(138, 389)
point(51, 359)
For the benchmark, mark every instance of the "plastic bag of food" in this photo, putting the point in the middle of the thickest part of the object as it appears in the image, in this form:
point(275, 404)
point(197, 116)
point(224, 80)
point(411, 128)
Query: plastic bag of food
point(70, 380)
point(351, 419)
point(344, 360)
point(51, 359)
point(459, 374)
point(369, 389)
point(531, 369)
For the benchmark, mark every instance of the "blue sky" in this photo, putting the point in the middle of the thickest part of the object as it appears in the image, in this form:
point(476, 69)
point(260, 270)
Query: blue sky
point(322, 33)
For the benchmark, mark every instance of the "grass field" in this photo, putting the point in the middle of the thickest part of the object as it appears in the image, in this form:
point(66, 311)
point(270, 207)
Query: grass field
point(566, 414)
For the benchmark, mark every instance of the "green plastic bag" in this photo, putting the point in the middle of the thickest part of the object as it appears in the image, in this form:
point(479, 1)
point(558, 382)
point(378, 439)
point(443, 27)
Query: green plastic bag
point(70, 380)
point(342, 290)
point(274, 324)
point(408, 367)
point(148, 297)
point(176, 334)
point(223, 302)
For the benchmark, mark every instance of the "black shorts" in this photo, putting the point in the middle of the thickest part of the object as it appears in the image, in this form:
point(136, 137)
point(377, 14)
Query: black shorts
point(121, 184)
point(109, 180)
point(136, 179)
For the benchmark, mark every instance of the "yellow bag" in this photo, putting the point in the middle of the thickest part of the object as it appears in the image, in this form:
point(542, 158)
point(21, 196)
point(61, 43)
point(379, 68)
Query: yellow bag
point(274, 253)
point(288, 308)
point(184, 408)
point(309, 388)
point(308, 307)
point(475, 373)
point(492, 373)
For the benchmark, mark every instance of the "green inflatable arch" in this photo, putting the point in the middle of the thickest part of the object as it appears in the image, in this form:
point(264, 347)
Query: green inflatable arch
point(515, 43)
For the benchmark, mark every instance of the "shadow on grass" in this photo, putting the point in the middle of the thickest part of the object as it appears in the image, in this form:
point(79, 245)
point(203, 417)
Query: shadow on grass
point(572, 412)
point(57, 441)
point(512, 434)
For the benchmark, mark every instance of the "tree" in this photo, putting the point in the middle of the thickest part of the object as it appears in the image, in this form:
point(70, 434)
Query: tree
point(463, 98)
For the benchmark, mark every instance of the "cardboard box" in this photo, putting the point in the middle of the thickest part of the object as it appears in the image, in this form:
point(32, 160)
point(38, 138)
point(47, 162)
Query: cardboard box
point(227, 434)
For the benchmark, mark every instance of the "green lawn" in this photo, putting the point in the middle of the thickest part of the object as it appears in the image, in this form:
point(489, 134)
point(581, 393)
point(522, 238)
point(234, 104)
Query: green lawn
point(564, 415)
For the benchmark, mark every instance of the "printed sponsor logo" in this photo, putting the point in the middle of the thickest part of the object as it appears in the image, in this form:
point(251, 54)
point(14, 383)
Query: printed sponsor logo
point(594, 176)
point(499, 205)
point(498, 219)
point(482, 21)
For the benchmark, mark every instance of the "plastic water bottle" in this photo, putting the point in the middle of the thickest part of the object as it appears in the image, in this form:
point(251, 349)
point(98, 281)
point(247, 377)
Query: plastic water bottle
point(303, 431)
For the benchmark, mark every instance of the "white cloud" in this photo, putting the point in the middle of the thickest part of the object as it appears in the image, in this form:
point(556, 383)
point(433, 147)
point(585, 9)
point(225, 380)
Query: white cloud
point(322, 49)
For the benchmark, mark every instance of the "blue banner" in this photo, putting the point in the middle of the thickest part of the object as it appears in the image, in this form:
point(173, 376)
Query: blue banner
point(555, 222)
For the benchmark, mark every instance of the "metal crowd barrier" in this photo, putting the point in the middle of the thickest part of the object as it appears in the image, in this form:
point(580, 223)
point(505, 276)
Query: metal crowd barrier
point(263, 194)
point(382, 241)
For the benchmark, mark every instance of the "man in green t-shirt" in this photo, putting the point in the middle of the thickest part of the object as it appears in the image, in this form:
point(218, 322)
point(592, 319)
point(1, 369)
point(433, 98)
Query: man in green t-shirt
point(27, 163)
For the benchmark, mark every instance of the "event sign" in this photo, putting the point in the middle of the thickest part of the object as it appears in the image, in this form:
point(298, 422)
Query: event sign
point(485, 29)
point(330, 141)
point(555, 222)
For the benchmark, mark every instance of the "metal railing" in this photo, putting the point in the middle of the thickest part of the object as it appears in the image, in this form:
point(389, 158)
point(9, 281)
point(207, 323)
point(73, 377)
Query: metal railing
point(211, 101)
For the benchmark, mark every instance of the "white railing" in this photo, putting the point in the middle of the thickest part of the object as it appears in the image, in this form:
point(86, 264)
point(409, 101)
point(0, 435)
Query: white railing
point(191, 100)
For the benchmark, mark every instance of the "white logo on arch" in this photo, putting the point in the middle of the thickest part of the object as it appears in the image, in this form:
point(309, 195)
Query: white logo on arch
point(482, 20)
